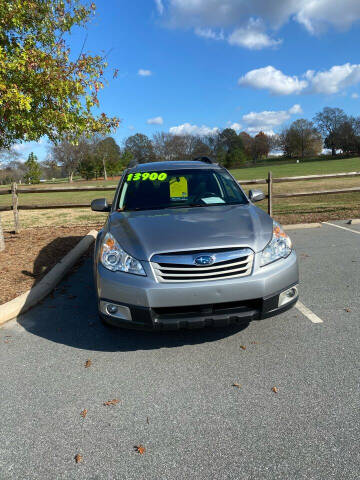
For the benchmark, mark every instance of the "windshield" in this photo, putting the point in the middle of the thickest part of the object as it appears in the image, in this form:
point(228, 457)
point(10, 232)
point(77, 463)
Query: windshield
point(179, 188)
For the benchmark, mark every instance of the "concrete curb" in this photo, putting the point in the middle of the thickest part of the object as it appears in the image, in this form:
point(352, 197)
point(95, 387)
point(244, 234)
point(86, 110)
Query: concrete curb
point(298, 226)
point(24, 302)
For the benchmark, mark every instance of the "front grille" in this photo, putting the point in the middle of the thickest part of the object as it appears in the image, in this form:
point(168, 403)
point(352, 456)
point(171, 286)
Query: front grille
point(181, 267)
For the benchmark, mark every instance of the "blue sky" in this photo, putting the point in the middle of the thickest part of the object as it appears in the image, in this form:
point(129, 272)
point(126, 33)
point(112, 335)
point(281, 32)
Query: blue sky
point(199, 65)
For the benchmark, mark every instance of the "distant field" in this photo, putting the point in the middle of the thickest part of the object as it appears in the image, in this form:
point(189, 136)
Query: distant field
point(297, 169)
point(290, 210)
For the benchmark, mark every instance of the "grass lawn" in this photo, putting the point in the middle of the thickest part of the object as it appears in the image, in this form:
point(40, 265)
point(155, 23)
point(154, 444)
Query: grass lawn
point(292, 210)
point(320, 167)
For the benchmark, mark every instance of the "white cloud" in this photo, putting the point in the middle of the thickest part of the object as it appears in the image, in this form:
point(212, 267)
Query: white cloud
point(228, 12)
point(188, 129)
point(21, 147)
point(355, 95)
point(252, 36)
point(155, 121)
point(295, 109)
point(236, 126)
point(159, 6)
point(320, 14)
point(273, 80)
point(209, 33)
point(144, 73)
point(331, 81)
point(27, 147)
point(315, 16)
point(268, 120)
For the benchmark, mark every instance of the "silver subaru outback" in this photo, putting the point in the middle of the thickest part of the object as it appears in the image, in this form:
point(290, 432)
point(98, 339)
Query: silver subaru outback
point(183, 246)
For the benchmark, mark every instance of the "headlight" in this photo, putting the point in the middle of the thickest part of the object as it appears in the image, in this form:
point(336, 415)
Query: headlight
point(280, 246)
point(114, 258)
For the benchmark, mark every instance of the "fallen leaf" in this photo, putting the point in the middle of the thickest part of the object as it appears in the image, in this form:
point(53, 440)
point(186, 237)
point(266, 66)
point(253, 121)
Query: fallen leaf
point(274, 389)
point(236, 385)
point(88, 363)
point(84, 413)
point(78, 458)
point(243, 347)
point(114, 401)
point(140, 449)
point(347, 309)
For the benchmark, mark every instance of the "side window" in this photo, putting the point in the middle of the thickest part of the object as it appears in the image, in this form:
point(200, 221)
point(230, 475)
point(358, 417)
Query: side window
point(231, 191)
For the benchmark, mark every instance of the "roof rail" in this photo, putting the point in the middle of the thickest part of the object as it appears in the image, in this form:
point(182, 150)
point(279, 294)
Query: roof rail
point(203, 159)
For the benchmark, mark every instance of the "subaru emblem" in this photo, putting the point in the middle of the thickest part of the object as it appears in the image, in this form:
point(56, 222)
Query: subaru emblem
point(204, 260)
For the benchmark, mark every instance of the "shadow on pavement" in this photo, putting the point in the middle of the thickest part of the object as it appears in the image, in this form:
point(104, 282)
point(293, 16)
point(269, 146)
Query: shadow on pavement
point(69, 317)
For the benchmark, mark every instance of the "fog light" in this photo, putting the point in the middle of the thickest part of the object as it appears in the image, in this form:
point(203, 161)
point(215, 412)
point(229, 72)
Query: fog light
point(112, 309)
point(118, 311)
point(288, 295)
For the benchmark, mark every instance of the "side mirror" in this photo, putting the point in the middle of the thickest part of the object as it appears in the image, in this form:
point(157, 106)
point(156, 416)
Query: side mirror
point(100, 205)
point(256, 195)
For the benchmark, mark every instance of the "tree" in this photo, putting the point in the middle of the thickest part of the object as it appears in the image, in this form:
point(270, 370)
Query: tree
point(88, 168)
point(247, 142)
point(346, 136)
point(261, 146)
point(50, 169)
point(69, 155)
point(45, 88)
point(33, 170)
point(141, 148)
point(230, 149)
point(328, 122)
point(6, 155)
point(301, 139)
point(126, 159)
point(109, 154)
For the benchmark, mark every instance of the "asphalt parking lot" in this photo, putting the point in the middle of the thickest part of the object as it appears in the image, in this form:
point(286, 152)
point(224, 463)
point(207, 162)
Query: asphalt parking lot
point(175, 390)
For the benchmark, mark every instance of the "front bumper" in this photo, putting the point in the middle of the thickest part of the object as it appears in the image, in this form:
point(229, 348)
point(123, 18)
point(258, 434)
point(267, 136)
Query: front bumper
point(205, 316)
point(192, 305)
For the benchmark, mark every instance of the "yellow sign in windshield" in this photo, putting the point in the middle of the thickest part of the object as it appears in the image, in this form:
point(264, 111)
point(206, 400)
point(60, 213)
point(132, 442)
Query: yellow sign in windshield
point(178, 188)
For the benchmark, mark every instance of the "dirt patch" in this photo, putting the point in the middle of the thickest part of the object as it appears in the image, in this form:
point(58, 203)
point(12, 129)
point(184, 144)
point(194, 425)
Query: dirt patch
point(315, 217)
point(29, 255)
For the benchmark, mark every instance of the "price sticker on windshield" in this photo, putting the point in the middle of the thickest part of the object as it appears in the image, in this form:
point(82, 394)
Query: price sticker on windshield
point(141, 177)
point(178, 188)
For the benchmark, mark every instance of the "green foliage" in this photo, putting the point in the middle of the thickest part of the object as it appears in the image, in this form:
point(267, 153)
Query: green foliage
point(301, 139)
point(88, 168)
point(108, 154)
point(328, 122)
point(141, 148)
point(230, 149)
point(42, 90)
point(126, 158)
point(33, 170)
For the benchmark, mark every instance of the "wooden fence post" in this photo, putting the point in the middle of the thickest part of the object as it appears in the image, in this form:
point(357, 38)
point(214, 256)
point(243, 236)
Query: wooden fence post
point(270, 186)
point(15, 201)
point(2, 241)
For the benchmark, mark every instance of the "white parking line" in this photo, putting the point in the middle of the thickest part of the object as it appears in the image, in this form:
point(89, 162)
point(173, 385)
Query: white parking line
point(308, 313)
point(343, 228)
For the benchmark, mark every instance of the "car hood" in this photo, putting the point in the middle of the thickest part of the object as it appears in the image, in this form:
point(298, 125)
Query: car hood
point(145, 233)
